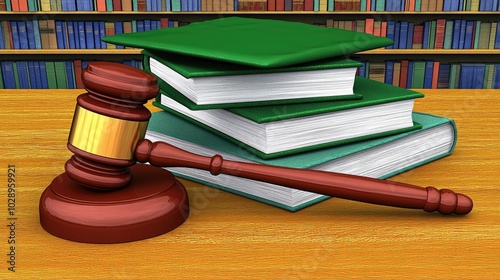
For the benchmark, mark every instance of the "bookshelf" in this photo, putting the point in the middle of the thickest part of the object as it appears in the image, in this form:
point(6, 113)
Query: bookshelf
point(476, 53)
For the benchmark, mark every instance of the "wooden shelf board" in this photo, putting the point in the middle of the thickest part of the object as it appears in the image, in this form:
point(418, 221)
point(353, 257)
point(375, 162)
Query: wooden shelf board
point(138, 51)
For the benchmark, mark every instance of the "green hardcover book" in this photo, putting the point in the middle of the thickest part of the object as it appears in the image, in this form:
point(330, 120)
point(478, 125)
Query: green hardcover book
point(261, 43)
point(279, 130)
point(51, 74)
point(418, 74)
point(377, 158)
point(60, 69)
point(1, 77)
point(448, 34)
point(484, 35)
point(477, 32)
point(16, 75)
point(209, 84)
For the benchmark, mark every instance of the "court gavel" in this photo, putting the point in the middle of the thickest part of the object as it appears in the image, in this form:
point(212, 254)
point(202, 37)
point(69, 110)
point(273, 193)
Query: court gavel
point(107, 139)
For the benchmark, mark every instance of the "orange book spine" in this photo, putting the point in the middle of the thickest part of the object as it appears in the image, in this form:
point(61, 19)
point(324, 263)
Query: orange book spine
point(435, 74)
point(369, 23)
point(101, 5)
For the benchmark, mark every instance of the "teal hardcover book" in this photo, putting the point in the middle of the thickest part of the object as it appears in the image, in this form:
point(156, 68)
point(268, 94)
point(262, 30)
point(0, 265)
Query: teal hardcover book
point(381, 157)
point(263, 43)
point(274, 131)
point(211, 84)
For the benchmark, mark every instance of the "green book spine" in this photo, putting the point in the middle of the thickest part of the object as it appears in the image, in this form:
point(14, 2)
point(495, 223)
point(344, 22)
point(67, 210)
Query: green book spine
point(16, 74)
point(493, 31)
point(477, 32)
point(176, 5)
point(8, 6)
point(379, 5)
point(51, 74)
point(135, 6)
point(453, 71)
point(448, 34)
point(418, 74)
point(109, 5)
point(489, 75)
point(60, 69)
point(418, 5)
point(486, 74)
point(331, 5)
point(362, 6)
point(484, 35)
point(432, 34)
point(316, 5)
point(32, 6)
point(134, 26)
point(1, 77)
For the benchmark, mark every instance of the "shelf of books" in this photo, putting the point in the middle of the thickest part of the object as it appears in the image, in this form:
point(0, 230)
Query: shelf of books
point(449, 36)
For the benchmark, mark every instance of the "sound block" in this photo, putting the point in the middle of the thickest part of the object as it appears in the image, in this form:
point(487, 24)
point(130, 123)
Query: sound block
point(152, 204)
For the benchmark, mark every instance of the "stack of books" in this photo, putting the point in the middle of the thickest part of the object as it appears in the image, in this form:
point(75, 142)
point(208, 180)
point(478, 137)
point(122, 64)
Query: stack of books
point(251, 91)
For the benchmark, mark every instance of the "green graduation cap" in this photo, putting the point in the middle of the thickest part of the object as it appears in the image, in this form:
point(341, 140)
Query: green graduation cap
point(262, 43)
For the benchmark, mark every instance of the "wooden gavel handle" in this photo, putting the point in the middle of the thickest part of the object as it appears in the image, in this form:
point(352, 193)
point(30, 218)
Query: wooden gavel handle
point(339, 185)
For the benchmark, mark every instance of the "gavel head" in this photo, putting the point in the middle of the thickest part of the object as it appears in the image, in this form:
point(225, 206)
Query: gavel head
point(109, 120)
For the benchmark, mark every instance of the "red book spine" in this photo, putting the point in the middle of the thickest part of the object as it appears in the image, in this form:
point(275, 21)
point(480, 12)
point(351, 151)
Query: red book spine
point(141, 5)
point(117, 5)
point(280, 5)
point(403, 77)
point(308, 5)
point(418, 36)
point(15, 6)
point(271, 5)
point(369, 22)
point(78, 74)
point(164, 22)
point(440, 29)
point(435, 74)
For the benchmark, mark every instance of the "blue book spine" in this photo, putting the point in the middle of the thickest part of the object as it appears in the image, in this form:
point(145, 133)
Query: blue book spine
point(429, 66)
point(97, 38)
point(425, 36)
point(8, 74)
point(70, 74)
point(154, 24)
point(497, 38)
point(147, 25)
point(409, 79)
point(36, 30)
point(447, 5)
point(102, 33)
point(391, 27)
point(119, 30)
point(389, 69)
point(140, 25)
point(469, 31)
point(496, 76)
point(403, 37)
point(397, 34)
point(22, 73)
point(89, 34)
point(15, 35)
point(71, 34)
point(43, 75)
point(478, 76)
point(148, 5)
point(388, 5)
point(190, 5)
point(461, 41)
point(38, 82)
point(460, 5)
point(456, 34)
point(2, 42)
point(30, 31)
point(465, 76)
point(409, 42)
point(168, 6)
point(184, 5)
point(23, 35)
point(60, 34)
point(81, 35)
point(31, 74)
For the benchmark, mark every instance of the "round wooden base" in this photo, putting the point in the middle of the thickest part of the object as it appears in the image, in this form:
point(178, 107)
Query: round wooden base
point(152, 204)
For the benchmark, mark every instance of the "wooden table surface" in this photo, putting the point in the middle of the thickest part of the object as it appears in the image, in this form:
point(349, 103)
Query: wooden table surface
point(230, 237)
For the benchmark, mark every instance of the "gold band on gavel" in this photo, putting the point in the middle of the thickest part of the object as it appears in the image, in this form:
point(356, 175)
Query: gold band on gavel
point(105, 136)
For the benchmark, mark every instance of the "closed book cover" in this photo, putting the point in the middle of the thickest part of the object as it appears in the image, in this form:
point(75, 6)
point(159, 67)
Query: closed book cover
point(283, 129)
point(262, 43)
point(377, 158)
point(254, 91)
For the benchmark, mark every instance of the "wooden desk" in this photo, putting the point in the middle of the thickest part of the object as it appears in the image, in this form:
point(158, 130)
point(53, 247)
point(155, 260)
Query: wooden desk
point(228, 236)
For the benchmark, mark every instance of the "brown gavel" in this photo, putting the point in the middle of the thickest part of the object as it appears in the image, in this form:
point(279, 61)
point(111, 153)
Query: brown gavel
point(107, 138)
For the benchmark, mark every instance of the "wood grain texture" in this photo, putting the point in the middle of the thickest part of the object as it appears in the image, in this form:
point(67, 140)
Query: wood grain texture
point(230, 237)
